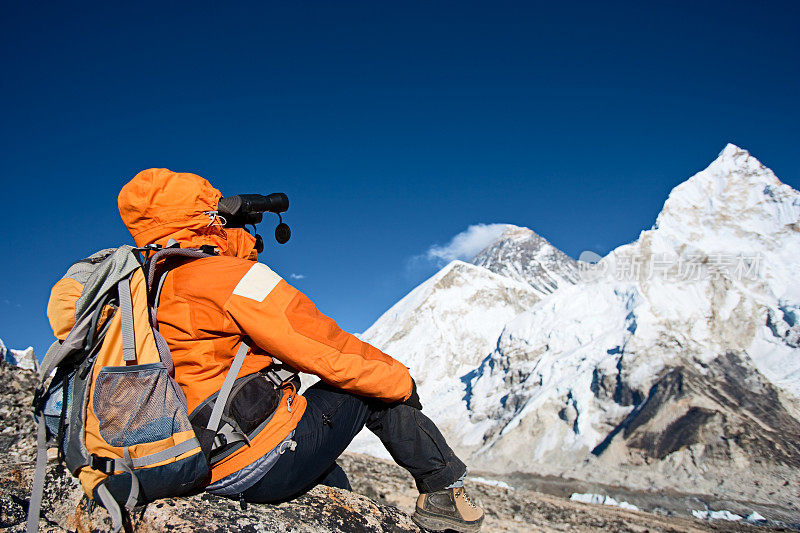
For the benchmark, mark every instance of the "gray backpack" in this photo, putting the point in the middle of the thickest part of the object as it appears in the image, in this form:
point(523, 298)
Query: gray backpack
point(108, 400)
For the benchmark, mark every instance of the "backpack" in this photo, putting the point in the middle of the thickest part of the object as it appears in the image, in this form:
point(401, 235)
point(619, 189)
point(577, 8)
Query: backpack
point(108, 399)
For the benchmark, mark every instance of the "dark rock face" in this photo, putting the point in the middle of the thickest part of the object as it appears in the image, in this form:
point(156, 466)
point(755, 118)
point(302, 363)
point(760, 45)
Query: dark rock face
point(726, 403)
point(686, 429)
point(611, 386)
point(783, 324)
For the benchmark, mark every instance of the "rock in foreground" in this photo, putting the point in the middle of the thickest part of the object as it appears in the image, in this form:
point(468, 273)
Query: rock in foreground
point(323, 509)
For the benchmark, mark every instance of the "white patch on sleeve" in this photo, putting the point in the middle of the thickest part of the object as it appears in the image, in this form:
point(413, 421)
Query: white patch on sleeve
point(257, 283)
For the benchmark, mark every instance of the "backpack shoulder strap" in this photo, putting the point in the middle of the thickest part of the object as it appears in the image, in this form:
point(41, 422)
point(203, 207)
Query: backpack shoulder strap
point(150, 275)
point(154, 286)
point(117, 266)
point(126, 320)
point(227, 387)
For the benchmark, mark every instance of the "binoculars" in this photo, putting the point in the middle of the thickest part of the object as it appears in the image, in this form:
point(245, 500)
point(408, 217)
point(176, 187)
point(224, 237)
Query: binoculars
point(248, 209)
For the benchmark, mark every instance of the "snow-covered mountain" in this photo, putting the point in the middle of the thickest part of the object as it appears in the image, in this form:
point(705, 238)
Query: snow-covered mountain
point(22, 358)
point(670, 362)
point(445, 327)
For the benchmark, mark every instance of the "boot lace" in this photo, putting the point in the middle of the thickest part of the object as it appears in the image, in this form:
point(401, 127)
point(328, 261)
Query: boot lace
point(460, 492)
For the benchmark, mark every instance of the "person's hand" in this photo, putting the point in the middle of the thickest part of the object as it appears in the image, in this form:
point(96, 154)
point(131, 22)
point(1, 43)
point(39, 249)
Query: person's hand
point(413, 400)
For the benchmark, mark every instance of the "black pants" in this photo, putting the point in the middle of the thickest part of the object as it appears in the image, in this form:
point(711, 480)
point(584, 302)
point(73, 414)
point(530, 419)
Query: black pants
point(332, 419)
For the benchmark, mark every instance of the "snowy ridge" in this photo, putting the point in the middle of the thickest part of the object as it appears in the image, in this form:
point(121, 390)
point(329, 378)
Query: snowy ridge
point(545, 364)
point(443, 329)
point(22, 358)
point(451, 321)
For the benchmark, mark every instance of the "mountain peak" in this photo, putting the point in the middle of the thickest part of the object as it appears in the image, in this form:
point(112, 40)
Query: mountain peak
point(514, 234)
point(733, 158)
point(521, 254)
point(731, 150)
point(733, 196)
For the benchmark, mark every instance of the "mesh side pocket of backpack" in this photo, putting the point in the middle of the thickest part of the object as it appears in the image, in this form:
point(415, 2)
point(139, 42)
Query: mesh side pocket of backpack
point(55, 403)
point(137, 404)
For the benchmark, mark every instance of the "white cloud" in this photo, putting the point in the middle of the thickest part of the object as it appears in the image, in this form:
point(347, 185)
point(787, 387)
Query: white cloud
point(467, 244)
point(297, 276)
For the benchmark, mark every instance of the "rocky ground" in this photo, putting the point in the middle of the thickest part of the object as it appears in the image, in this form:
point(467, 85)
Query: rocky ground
point(17, 432)
point(523, 510)
point(382, 500)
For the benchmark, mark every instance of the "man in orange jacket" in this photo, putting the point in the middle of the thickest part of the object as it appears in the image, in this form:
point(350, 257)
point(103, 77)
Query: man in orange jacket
point(287, 443)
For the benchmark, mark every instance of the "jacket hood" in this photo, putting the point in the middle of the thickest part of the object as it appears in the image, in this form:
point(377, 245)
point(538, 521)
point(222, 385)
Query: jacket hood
point(158, 205)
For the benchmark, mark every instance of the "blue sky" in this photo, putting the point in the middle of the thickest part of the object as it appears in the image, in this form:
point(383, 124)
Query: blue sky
point(392, 126)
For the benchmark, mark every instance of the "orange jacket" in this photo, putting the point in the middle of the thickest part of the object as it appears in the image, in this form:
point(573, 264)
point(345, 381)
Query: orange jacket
point(208, 306)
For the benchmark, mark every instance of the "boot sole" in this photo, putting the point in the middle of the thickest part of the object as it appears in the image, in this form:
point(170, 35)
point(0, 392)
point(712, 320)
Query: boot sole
point(441, 523)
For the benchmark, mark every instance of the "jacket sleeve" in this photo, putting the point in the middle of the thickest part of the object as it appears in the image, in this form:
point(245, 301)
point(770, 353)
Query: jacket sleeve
point(284, 322)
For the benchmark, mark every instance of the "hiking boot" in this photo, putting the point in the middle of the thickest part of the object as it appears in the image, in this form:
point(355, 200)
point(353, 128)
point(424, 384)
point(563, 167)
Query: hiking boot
point(447, 509)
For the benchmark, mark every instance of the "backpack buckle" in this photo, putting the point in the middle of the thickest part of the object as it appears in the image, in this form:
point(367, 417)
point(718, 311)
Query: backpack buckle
point(103, 464)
